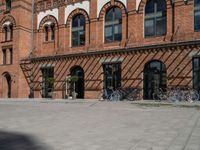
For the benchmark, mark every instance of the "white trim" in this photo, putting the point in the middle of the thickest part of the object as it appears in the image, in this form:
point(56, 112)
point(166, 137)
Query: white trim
point(138, 4)
point(82, 5)
point(41, 15)
point(101, 3)
point(7, 23)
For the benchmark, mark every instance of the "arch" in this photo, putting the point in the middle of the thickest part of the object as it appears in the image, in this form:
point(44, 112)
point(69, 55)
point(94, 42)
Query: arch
point(78, 85)
point(111, 4)
point(49, 19)
point(140, 4)
point(8, 18)
point(6, 90)
point(154, 78)
point(75, 13)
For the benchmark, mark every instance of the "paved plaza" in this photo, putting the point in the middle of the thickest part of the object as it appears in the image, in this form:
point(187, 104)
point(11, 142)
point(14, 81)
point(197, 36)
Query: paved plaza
point(97, 126)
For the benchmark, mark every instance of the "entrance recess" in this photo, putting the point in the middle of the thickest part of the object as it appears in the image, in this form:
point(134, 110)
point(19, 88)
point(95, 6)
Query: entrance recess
point(196, 73)
point(79, 84)
point(7, 85)
point(47, 82)
point(112, 76)
point(154, 78)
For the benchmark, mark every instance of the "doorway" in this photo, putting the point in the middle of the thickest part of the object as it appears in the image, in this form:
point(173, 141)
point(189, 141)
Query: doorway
point(112, 76)
point(7, 83)
point(47, 82)
point(78, 72)
point(154, 78)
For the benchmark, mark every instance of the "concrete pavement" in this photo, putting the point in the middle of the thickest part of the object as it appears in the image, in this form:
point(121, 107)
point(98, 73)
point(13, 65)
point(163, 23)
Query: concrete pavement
point(93, 125)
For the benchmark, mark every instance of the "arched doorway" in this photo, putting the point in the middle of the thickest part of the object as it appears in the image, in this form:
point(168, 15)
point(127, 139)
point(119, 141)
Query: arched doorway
point(79, 84)
point(154, 78)
point(6, 85)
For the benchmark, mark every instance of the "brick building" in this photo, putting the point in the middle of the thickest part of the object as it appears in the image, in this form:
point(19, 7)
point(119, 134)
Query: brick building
point(15, 24)
point(142, 44)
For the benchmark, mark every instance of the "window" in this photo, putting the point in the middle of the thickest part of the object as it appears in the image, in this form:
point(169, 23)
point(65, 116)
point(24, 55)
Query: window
point(5, 33)
point(4, 57)
point(196, 15)
point(46, 33)
point(78, 30)
point(52, 32)
point(113, 25)
point(8, 32)
point(11, 55)
point(49, 32)
point(7, 56)
point(155, 18)
point(8, 5)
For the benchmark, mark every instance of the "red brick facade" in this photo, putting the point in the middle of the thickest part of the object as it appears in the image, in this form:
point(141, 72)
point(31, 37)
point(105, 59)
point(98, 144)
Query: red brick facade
point(175, 49)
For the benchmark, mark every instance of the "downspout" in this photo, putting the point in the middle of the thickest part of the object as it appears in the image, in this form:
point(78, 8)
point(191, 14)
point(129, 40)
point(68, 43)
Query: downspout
point(31, 95)
point(173, 20)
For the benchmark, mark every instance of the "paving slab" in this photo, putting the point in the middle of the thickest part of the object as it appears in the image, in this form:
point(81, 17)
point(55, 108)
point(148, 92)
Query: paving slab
point(93, 125)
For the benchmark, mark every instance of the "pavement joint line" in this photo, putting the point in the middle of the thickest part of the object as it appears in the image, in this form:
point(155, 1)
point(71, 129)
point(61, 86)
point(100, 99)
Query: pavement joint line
point(190, 135)
point(176, 137)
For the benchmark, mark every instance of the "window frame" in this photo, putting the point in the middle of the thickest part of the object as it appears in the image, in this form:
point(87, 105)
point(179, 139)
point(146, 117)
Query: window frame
point(112, 24)
point(155, 18)
point(4, 56)
point(196, 10)
point(78, 29)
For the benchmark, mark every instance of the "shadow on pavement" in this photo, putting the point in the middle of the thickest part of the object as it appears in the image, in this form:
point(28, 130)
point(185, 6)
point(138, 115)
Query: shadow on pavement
point(18, 141)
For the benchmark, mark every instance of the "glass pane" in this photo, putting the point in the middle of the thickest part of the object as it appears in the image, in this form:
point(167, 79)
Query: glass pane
point(82, 38)
point(109, 15)
point(75, 21)
point(118, 32)
point(161, 26)
point(74, 38)
point(109, 33)
point(196, 64)
point(150, 7)
point(197, 20)
point(82, 20)
point(149, 27)
point(117, 14)
point(197, 2)
point(161, 5)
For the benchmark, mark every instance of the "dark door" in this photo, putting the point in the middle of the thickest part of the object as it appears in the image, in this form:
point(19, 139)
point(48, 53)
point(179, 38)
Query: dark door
point(154, 78)
point(79, 84)
point(47, 82)
point(196, 74)
point(9, 83)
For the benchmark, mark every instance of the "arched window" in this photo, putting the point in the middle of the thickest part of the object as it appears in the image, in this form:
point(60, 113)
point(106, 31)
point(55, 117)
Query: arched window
point(8, 32)
point(113, 25)
point(78, 30)
point(8, 5)
point(155, 18)
point(196, 15)
point(49, 31)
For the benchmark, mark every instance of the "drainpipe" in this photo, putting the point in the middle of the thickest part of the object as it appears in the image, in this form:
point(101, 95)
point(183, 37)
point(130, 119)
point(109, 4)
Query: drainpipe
point(173, 20)
point(31, 95)
point(173, 17)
